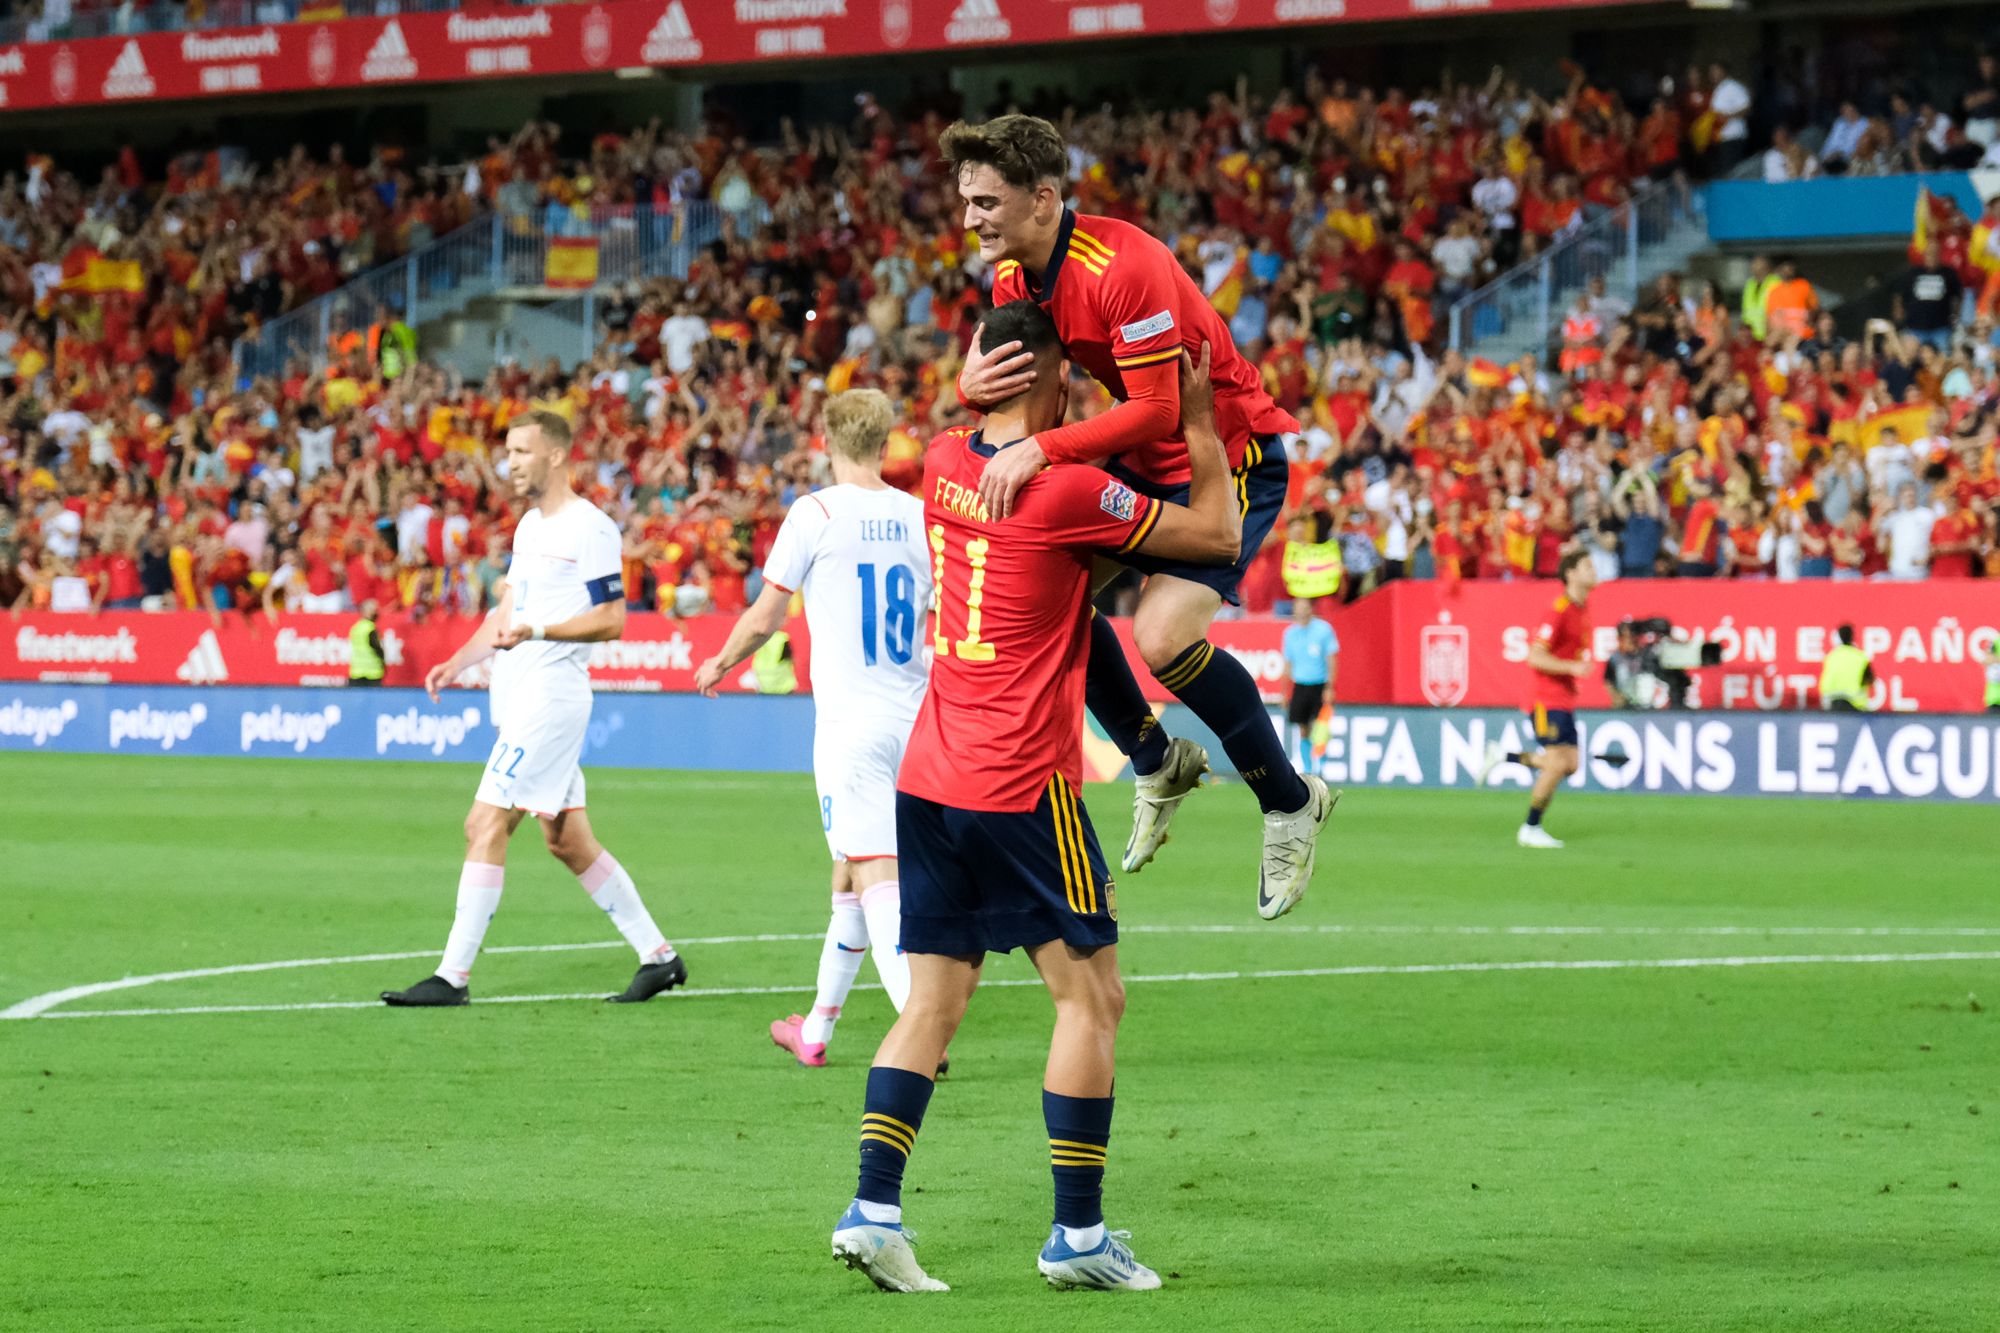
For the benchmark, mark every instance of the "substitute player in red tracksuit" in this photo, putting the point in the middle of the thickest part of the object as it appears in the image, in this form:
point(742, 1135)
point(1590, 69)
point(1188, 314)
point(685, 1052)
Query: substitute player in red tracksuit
point(1126, 313)
point(1559, 657)
point(997, 851)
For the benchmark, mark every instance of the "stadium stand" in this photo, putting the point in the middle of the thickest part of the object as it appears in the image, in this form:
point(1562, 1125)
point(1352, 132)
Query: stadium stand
point(1692, 433)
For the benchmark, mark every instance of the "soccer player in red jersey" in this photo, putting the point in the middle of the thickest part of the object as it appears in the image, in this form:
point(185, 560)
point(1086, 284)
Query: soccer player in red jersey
point(1559, 657)
point(1126, 312)
point(997, 852)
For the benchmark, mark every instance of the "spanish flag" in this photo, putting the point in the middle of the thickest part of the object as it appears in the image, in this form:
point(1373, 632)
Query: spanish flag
point(1485, 374)
point(1920, 229)
point(98, 276)
point(571, 262)
point(1910, 424)
point(1229, 292)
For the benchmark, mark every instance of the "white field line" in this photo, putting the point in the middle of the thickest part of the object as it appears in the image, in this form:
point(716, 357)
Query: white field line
point(36, 1006)
point(1357, 970)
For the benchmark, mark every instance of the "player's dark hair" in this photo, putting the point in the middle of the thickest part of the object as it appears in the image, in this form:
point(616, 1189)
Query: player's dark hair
point(554, 428)
point(1023, 322)
point(1025, 150)
point(1846, 633)
point(1570, 560)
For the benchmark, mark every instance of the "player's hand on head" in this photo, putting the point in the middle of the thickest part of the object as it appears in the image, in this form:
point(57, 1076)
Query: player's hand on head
point(1007, 472)
point(995, 376)
point(1197, 391)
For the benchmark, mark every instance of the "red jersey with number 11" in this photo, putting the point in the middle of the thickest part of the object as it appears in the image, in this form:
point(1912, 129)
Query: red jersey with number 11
point(1010, 626)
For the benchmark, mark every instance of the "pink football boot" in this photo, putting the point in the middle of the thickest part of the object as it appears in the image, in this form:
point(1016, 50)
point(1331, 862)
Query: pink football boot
point(787, 1033)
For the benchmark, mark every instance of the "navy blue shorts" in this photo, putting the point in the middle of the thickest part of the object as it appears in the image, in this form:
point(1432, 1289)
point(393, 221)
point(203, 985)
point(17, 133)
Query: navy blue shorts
point(984, 881)
point(1260, 492)
point(1553, 726)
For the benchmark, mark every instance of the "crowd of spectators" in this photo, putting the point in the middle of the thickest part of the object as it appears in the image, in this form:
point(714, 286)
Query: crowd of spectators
point(1896, 126)
point(1699, 434)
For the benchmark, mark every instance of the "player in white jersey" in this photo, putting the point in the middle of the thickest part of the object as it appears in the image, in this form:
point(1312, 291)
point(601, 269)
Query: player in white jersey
point(562, 593)
point(856, 550)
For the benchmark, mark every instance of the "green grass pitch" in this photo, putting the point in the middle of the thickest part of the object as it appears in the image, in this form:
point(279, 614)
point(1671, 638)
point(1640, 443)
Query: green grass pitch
point(1408, 1143)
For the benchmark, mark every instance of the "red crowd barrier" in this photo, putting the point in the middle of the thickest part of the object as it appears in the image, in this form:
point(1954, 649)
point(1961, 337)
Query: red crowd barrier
point(1439, 644)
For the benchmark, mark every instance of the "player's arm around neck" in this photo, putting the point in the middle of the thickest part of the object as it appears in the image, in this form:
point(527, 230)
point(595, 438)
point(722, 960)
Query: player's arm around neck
point(1210, 527)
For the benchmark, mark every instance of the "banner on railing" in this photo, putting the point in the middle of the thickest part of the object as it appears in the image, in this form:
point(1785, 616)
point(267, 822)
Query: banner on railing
point(1431, 644)
point(1466, 644)
point(516, 42)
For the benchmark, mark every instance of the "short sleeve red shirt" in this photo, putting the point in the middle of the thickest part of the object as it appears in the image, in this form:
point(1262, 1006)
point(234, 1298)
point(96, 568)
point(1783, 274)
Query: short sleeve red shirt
point(1122, 302)
point(1565, 632)
point(1010, 626)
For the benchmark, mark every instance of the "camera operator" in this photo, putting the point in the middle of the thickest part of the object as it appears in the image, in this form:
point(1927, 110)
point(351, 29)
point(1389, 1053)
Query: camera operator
point(1629, 672)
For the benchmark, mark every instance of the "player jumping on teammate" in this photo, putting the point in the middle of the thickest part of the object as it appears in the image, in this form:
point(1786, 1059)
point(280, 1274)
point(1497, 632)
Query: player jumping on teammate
point(562, 593)
point(997, 851)
point(1126, 312)
point(1559, 657)
point(856, 549)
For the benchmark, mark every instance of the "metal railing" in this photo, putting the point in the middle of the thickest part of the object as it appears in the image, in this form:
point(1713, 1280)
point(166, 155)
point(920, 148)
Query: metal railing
point(1526, 302)
point(497, 254)
point(132, 19)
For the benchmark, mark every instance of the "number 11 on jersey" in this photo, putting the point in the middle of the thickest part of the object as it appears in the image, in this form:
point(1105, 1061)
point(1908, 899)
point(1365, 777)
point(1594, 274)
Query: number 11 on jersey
point(969, 648)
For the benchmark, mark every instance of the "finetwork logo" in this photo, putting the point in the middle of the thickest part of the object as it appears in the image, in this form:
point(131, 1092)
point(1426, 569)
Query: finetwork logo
point(31, 645)
point(205, 664)
point(672, 38)
point(389, 58)
point(1305, 11)
point(978, 21)
point(164, 727)
point(299, 731)
point(39, 725)
point(128, 76)
point(425, 731)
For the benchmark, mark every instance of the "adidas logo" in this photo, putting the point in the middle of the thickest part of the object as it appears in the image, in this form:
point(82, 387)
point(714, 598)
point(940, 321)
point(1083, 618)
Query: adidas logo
point(128, 76)
point(204, 665)
point(389, 58)
point(978, 21)
point(671, 39)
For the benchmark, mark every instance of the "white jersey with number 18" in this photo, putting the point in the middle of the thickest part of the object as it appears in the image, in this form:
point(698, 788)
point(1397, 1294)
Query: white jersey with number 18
point(859, 556)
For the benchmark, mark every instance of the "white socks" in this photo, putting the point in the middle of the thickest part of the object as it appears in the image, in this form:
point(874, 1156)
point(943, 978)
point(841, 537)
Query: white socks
point(478, 899)
point(881, 904)
point(612, 889)
point(1083, 1239)
point(839, 964)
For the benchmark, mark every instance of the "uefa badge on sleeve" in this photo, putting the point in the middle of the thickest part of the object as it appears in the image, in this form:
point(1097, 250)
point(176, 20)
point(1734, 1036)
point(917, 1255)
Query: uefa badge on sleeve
point(1119, 501)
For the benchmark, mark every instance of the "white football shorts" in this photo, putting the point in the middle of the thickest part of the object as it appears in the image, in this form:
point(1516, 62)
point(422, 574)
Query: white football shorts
point(534, 766)
point(854, 770)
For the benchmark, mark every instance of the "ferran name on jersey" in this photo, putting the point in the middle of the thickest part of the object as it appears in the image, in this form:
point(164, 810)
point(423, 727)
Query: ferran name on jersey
point(961, 500)
point(1119, 500)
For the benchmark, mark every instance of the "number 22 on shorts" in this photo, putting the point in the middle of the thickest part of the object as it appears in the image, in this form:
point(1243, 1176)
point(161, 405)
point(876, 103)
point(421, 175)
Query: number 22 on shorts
point(969, 648)
point(500, 758)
